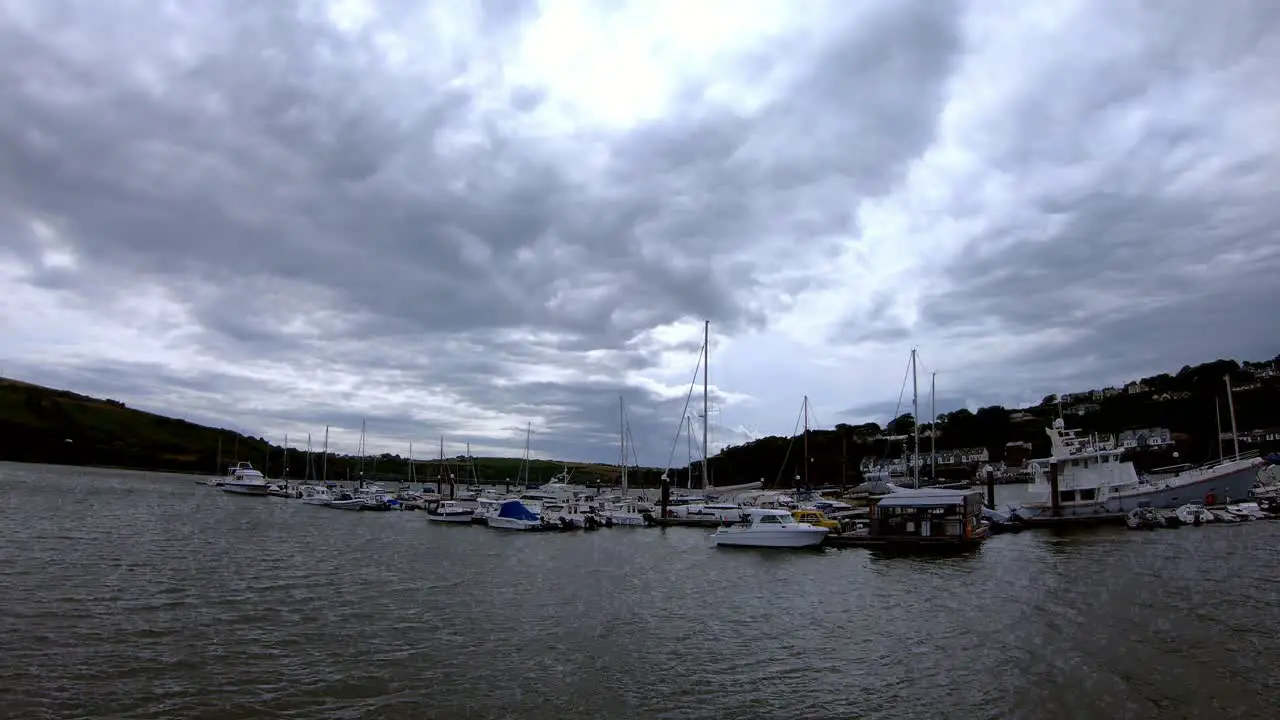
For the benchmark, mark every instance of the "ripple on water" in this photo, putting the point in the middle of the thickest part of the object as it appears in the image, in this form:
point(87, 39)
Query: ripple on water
point(147, 596)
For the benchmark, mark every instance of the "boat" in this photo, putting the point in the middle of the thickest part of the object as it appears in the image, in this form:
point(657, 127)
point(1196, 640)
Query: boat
point(514, 515)
point(577, 515)
point(344, 500)
point(816, 518)
point(767, 527)
point(281, 490)
point(375, 498)
point(242, 479)
point(1246, 511)
point(1087, 482)
point(1143, 518)
point(1193, 514)
point(486, 507)
point(626, 513)
point(450, 511)
point(315, 495)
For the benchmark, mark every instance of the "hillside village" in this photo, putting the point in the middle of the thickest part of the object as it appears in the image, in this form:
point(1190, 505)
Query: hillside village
point(1099, 411)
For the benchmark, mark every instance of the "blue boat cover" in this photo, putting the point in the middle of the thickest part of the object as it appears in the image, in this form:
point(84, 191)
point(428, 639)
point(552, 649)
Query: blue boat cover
point(1273, 458)
point(515, 510)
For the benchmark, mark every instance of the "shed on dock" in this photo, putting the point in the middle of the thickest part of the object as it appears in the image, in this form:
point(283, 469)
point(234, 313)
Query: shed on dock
point(931, 515)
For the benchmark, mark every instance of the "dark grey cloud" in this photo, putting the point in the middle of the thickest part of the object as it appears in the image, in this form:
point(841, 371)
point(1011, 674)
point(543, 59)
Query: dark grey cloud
point(347, 230)
point(1146, 234)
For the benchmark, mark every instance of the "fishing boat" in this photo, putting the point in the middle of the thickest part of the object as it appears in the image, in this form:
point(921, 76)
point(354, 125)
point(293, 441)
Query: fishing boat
point(1087, 481)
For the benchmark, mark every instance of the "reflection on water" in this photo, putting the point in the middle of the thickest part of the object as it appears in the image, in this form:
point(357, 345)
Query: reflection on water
point(147, 596)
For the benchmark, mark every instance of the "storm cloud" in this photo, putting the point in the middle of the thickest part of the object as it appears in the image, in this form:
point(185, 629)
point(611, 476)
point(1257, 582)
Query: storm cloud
point(472, 219)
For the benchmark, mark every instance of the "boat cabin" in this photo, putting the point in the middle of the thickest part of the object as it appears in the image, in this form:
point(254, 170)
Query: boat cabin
point(928, 516)
point(816, 518)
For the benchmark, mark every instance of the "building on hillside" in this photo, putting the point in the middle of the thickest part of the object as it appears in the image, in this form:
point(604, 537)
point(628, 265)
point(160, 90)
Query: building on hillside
point(1145, 438)
point(1136, 388)
point(1174, 395)
point(1017, 453)
point(1021, 416)
point(1082, 409)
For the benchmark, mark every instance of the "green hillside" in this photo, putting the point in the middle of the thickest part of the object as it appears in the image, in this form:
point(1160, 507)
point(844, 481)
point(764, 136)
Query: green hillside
point(44, 425)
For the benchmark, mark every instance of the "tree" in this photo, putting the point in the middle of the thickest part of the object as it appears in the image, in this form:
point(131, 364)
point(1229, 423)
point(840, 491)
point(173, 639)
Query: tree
point(1049, 399)
point(901, 425)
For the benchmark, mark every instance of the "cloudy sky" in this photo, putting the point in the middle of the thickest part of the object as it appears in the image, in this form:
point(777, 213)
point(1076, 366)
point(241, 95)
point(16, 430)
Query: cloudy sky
point(466, 217)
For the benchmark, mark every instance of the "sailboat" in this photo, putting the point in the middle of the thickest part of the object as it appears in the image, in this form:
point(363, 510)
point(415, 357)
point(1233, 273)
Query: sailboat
point(708, 486)
point(627, 511)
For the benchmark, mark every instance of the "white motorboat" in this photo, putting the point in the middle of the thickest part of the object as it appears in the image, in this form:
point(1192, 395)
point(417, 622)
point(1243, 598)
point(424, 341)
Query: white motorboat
point(628, 513)
point(344, 500)
point(450, 511)
point(486, 507)
point(244, 480)
point(1194, 514)
point(282, 490)
point(315, 495)
point(767, 527)
point(1246, 511)
point(575, 514)
point(514, 515)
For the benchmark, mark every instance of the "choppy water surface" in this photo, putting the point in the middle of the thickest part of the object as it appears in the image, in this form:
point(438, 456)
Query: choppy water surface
point(135, 595)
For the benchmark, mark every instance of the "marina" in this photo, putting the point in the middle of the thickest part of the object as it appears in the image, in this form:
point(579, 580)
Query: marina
point(125, 582)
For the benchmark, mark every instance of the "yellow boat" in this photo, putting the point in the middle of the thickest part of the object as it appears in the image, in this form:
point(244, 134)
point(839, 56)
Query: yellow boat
point(815, 517)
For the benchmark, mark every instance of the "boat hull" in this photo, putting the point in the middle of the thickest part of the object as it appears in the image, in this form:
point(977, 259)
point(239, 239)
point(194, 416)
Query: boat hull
point(790, 538)
point(345, 504)
point(501, 523)
point(1232, 483)
point(459, 517)
point(244, 489)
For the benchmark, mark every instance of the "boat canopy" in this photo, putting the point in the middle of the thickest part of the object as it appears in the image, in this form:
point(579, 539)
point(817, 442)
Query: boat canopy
point(516, 510)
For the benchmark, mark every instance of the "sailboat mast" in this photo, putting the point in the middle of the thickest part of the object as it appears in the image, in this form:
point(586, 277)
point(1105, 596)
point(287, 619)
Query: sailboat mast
point(284, 474)
point(915, 422)
point(410, 476)
point(324, 462)
point(1231, 408)
point(362, 429)
point(806, 441)
point(933, 427)
point(1217, 417)
point(688, 441)
point(622, 441)
point(528, 430)
point(706, 360)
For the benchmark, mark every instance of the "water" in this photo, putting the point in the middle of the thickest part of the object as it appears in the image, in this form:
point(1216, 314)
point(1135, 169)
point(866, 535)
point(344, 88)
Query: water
point(130, 595)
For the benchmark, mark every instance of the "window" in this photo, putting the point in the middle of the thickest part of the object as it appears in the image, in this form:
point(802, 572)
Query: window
point(1089, 494)
point(1106, 458)
point(1066, 496)
point(769, 519)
